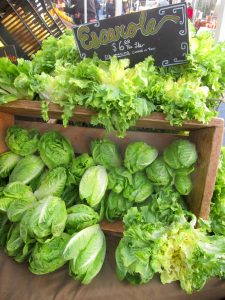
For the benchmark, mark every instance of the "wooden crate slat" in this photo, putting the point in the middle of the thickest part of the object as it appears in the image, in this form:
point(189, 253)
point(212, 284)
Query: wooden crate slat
point(208, 142)
point(115, 228)
point(81, 137)
point(6, 121)
point(155, 120)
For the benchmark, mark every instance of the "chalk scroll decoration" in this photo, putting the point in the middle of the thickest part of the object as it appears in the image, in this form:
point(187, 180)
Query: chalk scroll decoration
point(182, 32)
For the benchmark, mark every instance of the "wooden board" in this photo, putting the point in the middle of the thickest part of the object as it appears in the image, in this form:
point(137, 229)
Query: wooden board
point(5, 122)
point(155, 120)
point(115, 228)
point(208, 142)
point(81, 137)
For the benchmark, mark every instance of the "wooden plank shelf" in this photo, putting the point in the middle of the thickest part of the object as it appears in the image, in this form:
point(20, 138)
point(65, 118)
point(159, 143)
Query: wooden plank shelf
point(207, 138)
point(80, 114)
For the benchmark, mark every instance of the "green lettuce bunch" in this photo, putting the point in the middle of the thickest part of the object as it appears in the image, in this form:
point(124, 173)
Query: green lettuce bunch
point(45, 219)
point(93, 185)
point(140, 188)
point(21, 141)
point(138, 156)
point(55, 150)
point(119, 179)
point(79, 217)
point(106, 153)
point(159, 172)
point(55, 51)
point(53, 184)
point(8, 161)
point(27, 169)
point(116, 206)
point(83, 266)
point(16, 81)
point(77, 168)
point(162, 238)
point(190, 256)
point(15, 246)
point(180, 154)
point(15, 191)
point(47, 257)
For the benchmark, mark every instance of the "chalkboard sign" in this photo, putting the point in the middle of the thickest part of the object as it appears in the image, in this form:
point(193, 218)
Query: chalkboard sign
point(160, 32)
point(10, 52)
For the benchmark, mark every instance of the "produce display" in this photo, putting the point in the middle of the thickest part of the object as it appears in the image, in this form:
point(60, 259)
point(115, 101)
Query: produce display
point(119, 94)
point(52, 201)
point(161, 238)
point(42, 217)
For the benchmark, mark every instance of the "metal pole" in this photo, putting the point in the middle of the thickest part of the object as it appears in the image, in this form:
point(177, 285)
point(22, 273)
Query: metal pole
point(118, 7)
point(220, 13)
point(137, 3)
point(85, 11)
point(194, 5)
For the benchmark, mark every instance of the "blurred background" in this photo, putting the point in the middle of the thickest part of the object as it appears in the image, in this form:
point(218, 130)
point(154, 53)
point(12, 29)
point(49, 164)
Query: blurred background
point(204, 11)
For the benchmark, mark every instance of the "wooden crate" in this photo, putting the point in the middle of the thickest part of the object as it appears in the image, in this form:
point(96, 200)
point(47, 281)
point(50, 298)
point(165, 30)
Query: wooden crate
point(207, 138)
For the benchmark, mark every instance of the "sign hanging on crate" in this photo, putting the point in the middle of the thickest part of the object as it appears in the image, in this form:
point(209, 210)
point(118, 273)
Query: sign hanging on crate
point(160, 32)
point(10, 52)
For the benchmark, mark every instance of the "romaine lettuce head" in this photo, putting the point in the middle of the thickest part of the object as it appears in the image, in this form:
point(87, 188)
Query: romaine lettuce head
point(183, 184)
point(140, 189)
point(119, 178)
point(159, 173)
point(8, 161)
point(15, 246)
point(93, 185)
point(180, 154)
point(86, 252)
point(22, 141)
point(4, 203)
point(79, 241)
point(18, 190)
point(15, 191)
point(27, 169)
point(47, 257)
point(106, 153)
point(133, 258)
point(77, 168)
point(47, 218)
point(17, 208)
point(184, 171)
point(79, 217)
point(116, 206)
point(53, 183)
point(138, 156)
point(55, 150)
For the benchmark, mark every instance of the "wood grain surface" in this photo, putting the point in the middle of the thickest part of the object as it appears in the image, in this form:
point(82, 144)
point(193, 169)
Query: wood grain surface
point(80, 114)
